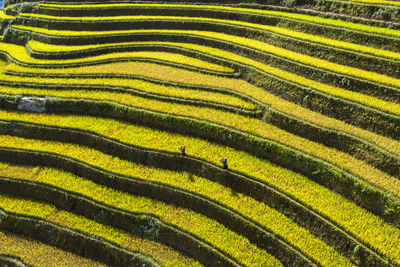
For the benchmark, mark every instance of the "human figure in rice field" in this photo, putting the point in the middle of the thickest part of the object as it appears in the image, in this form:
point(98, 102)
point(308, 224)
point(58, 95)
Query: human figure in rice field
point(183, 150)
point(224, 162)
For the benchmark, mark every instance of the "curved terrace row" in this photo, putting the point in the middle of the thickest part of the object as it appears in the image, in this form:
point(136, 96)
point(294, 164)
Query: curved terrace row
point(224, 85)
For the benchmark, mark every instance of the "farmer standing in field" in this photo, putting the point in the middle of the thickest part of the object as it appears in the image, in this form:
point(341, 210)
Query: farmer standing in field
point(183, 150)
point(224, 162)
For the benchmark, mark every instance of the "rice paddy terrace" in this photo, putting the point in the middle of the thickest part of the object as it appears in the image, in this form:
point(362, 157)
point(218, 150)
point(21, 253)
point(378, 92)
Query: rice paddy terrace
point(96, 99)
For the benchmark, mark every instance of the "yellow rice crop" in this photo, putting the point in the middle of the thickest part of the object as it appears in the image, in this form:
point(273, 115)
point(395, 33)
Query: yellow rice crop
point(195, 78)
point(245, 124)
point(19, 53)
point(374, 102)
point(202, 226)
point(141, 85)
point(163, 254)
point(282, 31)
point(378, 2)
point(38, 254)
point(352, 218)
point(255, 44)
point(296, 16)
point(259, 212)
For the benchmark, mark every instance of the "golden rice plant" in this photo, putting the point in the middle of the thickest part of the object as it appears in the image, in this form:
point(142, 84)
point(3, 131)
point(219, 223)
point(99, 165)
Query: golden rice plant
point(195, 78)
point(296, 16)
point(32, 252)
point(222, 238)
point(371, 101)
point(239, 122)
point(141, 85)
point(348, 215)
point(279, 30)
point(257, 211)
point(19, 53)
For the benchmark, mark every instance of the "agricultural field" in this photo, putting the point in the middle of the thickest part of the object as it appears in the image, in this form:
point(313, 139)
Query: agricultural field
point(200, 133)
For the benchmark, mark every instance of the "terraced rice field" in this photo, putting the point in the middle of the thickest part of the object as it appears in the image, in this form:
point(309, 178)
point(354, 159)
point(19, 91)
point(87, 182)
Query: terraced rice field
point(96, 101)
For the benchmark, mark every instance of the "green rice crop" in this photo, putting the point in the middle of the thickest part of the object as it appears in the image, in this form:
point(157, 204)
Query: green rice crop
point(257, 211)
point(242, 123)
point(296, 16)
point(38, 254)
point(207, 229)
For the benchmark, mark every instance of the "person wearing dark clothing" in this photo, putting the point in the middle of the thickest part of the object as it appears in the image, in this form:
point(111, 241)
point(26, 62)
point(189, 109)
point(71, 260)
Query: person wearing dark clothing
point(225, 163)
point(183, 150)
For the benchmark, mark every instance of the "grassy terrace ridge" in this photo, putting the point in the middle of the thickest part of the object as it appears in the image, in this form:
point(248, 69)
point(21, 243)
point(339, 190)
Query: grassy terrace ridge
point(278, 30)
point(378, 2)
point(241, 41)
point(339, 56)
point(373, 102)
point(37, 254)
point(262, 67)
point(161, 253)
point(239, 122)
point(12, 260)
point(301, 17)
point(300, 214)
point(28, 209)
point(185, 77)
point(167, 73)
point(349, 216)
point(248, 207)
point(185, 219)
point(304, 103)
point(18, 53)
point(130, 85)
point(171, 74)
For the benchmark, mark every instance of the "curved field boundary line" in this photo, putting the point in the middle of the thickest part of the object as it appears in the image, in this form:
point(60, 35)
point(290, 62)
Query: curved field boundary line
point(308, 18)
point(338, 55)
point(342, 104)
point(236, 40)
point(386, 106)
point(138, 87)
point(273, 29)
point(234, 122)
point(19, 54)
point(31, 253)
point(43, 187)
point(265, 98)
point(31, 224)
point(212, 200)
point(134, 199)
point(343, 76)
point(324, 194)
point(236, 182)
point(47, 182)
point(375, 156)
point(379, 2)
